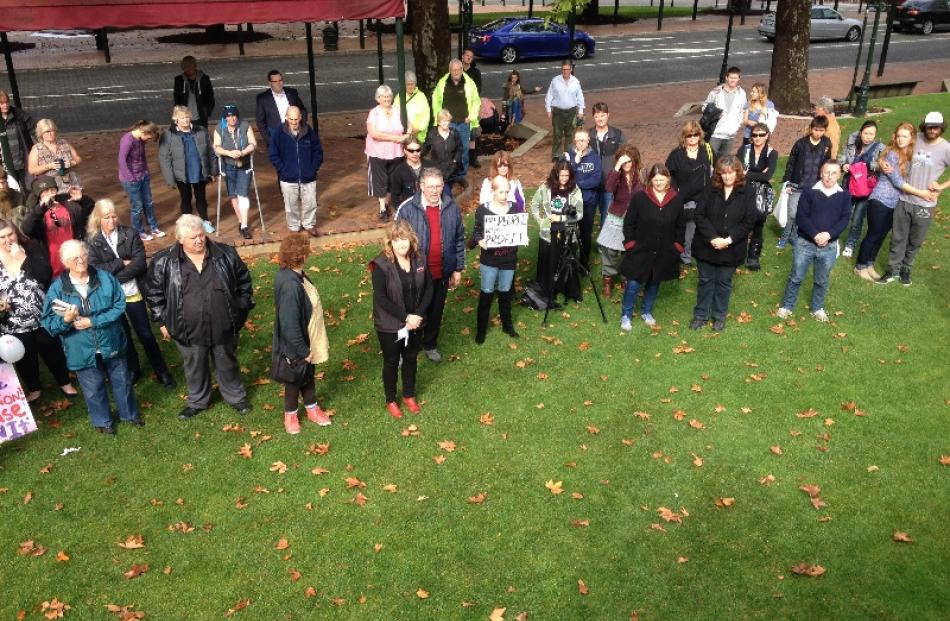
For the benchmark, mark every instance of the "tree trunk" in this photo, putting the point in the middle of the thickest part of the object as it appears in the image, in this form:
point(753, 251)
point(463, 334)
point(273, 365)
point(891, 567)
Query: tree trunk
point(788, 87)
point(431, 41)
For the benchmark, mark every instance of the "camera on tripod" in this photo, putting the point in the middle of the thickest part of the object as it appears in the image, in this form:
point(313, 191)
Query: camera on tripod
point(560, 206)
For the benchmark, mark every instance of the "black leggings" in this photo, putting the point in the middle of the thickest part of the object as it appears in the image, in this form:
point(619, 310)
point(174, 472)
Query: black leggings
point(393, 350)
point(293, 392)
point(39, 343)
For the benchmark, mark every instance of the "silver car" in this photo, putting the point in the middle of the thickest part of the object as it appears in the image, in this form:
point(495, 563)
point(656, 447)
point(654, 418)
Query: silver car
point(825, 24)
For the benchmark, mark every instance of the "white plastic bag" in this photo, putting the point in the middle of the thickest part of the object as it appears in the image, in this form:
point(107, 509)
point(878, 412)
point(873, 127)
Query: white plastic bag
point(781, 207)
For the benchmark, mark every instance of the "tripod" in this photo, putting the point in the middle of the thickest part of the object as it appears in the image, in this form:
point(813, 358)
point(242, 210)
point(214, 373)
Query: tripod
point(568, 266)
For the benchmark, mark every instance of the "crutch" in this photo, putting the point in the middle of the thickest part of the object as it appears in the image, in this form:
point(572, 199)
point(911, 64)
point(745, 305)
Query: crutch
point(217, 229)
point(257, 194)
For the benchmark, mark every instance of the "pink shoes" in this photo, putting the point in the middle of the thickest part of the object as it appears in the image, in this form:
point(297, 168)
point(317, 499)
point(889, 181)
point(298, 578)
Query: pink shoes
point(410, 402)
point(291, 423)
point(318, 416)
point(393, 408)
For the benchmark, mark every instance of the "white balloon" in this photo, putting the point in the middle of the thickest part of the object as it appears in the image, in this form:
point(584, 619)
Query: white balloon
point(11, 348)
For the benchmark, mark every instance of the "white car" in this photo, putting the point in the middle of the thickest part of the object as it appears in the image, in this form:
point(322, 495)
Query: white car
point(825, 24)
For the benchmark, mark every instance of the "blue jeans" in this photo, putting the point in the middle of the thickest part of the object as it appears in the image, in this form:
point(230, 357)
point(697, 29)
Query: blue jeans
point(465, 136)
point(492, 276)
point(140, 199)
point(650, 292)
point(806, 254)
point(515, 111)
point(92, 381)
point(604, 198)
point(859, 209)
point(714, 290)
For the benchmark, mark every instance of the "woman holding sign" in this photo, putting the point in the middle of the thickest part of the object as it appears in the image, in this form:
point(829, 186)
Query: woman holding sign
point(497, 263)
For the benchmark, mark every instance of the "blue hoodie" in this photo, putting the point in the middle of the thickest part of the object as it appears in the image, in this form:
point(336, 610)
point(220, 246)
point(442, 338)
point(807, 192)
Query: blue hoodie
point(587, 173)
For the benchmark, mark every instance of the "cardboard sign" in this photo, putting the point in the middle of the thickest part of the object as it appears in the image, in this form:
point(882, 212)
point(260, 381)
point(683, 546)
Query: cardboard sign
point(507, 230)
point(16, 419)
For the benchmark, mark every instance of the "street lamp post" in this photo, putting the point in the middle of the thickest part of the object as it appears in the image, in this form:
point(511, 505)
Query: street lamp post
point(725, 56)
point(861, 105)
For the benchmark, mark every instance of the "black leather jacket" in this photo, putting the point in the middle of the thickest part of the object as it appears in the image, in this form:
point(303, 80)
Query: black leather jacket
point(163, 286)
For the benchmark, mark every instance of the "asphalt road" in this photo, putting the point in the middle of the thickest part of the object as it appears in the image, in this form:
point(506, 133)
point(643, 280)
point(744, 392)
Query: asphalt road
point(105, 98)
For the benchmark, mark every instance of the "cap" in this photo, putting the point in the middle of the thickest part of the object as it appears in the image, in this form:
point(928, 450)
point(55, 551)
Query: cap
point(229, 109)
point(933, 118)
point(41, 184)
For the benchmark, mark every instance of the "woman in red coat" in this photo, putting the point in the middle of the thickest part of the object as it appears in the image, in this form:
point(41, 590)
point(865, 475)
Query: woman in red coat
point(654, 228)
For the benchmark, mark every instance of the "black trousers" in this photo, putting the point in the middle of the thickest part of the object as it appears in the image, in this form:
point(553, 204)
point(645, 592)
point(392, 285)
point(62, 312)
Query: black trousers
point(185, 190)
point(138, 315)
point(39, 343)
point(393, 350)
point(292, 394)
point(430, 331)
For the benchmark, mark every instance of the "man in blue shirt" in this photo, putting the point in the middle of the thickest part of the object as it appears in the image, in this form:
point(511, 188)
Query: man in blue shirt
point(564, 103)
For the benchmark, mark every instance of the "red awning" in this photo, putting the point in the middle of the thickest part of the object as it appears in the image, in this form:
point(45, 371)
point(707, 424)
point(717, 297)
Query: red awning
point(94, 14)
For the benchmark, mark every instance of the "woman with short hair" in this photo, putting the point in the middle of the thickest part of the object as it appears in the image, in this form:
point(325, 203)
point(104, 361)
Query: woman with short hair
point(443, 149)
point(724, 217)
point(115, 248)
point(234, 142)
point(184, 153)
point(83, 308)
point(402, 292)
point(385, 136)
point(759, 160)
point(53, 156)
point(300, 335)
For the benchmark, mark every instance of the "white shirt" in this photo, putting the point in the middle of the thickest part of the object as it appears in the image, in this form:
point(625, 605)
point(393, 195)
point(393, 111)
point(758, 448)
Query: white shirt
point(827, 191)
point(564, 94)
point(282, 104)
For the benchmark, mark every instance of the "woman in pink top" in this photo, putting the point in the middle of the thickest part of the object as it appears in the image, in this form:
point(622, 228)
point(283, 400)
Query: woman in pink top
point(385, 136)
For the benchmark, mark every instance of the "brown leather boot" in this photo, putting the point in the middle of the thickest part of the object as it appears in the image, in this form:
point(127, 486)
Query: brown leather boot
point(608, 286)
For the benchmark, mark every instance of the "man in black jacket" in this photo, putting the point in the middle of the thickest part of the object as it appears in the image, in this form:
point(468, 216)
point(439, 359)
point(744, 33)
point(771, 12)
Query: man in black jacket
point(200, 294)
point(272, 104)
point(193, 90)
point(16, 139)
point(802, 170)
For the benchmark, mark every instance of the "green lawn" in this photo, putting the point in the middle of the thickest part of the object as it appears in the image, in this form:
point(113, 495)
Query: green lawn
point(645, 433)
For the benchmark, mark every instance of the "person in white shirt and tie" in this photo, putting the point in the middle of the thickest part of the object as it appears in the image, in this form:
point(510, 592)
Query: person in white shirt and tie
point(272, 104)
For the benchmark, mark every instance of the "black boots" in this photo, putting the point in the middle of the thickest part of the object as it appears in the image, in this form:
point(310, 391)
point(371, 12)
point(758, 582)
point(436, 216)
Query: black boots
point(484, 312)
point(504, 309)
point(484, 309)
point(755, 251)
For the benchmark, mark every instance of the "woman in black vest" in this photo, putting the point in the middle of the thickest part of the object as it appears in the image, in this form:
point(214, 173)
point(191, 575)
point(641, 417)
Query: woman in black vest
point(724, 217)
point(402, 291)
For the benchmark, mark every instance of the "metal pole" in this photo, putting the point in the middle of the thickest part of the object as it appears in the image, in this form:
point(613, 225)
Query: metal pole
point(745, 6)
point(695, 8)
point(725, 56)
point(461, 30)
point(313, 79)
point(861, 106)
point(857, 62)
point(616, 10)
point(836, 5)
point(530, 8)
point(887, 38)
point(362, 35)
point(8, 57)
point(105, 46)
point(240, 34)
point(379, 48)
point(401, 71)
point(659, 17)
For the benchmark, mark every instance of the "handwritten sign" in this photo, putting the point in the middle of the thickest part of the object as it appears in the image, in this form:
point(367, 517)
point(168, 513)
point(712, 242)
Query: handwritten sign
point(16, 419)
point(507, 230)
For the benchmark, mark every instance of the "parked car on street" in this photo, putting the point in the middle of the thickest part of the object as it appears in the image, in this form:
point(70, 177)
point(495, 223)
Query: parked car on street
point(825, 24)
point(509, 39)
point(923, 16)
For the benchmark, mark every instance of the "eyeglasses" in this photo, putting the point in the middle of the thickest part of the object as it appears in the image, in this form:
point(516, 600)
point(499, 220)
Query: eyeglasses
point(693, 135)
point(759, 135)
point(408, 150)
point(503, 165)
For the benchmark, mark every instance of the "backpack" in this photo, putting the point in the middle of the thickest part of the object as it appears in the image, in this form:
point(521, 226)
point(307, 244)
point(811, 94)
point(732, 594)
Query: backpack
point(860, 181)
point(534, 296)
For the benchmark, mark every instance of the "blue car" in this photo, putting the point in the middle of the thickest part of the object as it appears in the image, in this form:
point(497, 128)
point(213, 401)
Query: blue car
point(512, 38)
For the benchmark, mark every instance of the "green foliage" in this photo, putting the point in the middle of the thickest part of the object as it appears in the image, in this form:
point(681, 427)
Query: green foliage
point(608, 430)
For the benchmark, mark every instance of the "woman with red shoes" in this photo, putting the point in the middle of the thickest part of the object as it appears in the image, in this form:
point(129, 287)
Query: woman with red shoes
point(300, 335)
point(402, 291)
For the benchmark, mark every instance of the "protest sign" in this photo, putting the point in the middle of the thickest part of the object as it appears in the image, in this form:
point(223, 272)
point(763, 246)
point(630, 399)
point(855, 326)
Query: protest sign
point(16, 419)
point(507, 230)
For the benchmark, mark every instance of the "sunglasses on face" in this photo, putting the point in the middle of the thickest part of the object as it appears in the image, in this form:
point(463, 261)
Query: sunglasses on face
point(759, 135)
point(693, 135)
point(413, 150)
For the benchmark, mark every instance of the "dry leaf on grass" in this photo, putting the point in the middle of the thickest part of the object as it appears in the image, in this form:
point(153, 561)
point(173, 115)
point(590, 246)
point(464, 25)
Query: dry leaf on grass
point(582, 587)
point(136, 570)
point(132, 542)
point(804, 569)
point(555, 487)
point(902, 537)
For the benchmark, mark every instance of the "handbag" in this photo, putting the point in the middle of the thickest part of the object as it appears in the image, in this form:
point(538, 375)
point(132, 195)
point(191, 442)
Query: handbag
point(287, 371)
point(764, 195)
point(711, 115)
point(860, 181)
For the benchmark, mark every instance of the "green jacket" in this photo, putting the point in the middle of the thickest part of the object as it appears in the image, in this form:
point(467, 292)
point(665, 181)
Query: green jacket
point(417, 113)
point(471, 96)
point(541, 208)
